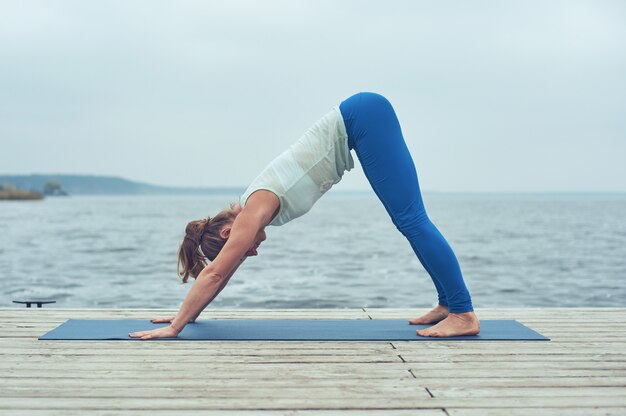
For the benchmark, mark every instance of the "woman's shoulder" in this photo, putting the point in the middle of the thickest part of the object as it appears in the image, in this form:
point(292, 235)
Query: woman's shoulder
point(263, 203)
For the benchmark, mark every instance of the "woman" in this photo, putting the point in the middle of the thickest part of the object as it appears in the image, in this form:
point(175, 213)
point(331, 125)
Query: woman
point(289, 186)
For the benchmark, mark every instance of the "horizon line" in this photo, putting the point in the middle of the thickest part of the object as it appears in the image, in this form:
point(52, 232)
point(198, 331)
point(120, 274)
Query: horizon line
point(243, 187)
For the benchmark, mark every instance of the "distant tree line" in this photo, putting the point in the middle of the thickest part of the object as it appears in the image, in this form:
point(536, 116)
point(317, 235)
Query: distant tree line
point(53, 188)
point(8, 191)
point(106, 185)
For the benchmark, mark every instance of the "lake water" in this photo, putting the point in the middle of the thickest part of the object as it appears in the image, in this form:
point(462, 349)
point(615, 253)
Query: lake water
point(514, 250)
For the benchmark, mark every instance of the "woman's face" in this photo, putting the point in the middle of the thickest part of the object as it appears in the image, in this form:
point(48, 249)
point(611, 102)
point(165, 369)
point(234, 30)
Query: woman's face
point(260, 237)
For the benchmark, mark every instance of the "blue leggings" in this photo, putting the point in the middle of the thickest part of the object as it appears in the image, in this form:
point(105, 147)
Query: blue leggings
point(375, 135)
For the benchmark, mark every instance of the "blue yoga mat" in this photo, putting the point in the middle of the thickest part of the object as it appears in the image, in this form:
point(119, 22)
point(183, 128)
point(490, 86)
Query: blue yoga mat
point(285, 330)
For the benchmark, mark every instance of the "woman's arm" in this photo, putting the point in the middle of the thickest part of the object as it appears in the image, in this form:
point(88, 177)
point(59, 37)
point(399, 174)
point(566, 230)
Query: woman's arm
point(193, 319)
point(213, 277)
point(224, 283)
point(216, 274)
point(258, 212)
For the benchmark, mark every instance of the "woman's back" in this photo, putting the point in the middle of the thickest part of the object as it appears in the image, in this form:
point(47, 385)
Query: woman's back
point(307, 169)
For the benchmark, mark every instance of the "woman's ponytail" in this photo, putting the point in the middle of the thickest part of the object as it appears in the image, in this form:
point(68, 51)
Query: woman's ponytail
point(202, 242)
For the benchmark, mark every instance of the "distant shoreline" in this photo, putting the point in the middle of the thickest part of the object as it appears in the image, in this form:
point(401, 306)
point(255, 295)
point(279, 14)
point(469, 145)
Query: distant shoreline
point(18, 195)
point(79, 185)
point(105, 185)
point(233, 196)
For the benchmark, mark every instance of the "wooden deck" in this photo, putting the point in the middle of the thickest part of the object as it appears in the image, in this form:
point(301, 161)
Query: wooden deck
point(582, 371)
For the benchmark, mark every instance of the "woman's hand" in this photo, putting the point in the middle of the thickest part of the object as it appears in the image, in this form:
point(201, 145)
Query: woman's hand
point(162, 320)
point(165, 332)
point(166, 320)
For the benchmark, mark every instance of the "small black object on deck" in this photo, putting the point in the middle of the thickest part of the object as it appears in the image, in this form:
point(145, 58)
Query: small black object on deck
point(38, 302)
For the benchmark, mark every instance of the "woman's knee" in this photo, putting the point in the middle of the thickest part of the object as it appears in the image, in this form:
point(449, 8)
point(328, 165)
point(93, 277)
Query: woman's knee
point(413, 225)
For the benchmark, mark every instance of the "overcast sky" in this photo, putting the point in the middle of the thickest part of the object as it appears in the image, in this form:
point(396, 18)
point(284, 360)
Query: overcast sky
point(491, 96)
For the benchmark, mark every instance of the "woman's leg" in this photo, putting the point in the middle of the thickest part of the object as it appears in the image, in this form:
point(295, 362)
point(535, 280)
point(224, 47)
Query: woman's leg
point(375, 135)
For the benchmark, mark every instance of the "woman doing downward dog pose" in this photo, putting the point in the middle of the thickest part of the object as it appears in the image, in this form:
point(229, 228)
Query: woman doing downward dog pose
point(289, 186)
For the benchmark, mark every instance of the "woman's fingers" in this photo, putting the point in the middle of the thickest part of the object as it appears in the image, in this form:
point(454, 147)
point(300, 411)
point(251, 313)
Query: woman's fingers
point(140, 335)
point(162, 319)
point(156, 333)
point(166, 332)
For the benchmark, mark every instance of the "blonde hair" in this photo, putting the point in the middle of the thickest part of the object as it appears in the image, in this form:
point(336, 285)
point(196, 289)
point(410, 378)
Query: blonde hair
point(202, 241)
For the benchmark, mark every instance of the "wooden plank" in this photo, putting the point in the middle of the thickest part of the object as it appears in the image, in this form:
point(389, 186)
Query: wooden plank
point(201, 412)
point(187, 360)
point(507, 357)
point(487, 372)
point(96, 361)
point(229, 370)
point(322, 354)
point(143, 350)
point(520, 347)
point(199, 346)
point(303, 402)
point(294, 371)
point(499, 392)
point(391, 391)
point(394, 390)
point(195, 366)
point(400, 347)
point(240, 401)
point(545, 411)
point(38, 378)
point(522, 366)
point(525, 381)
point(68, 382)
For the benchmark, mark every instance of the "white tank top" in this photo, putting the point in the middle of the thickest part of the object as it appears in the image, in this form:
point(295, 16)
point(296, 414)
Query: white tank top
point(307, 169)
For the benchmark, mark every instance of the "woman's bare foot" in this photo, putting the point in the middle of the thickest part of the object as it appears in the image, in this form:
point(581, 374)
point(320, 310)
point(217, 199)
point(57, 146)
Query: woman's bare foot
point(439, 313)
point(455, 324)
